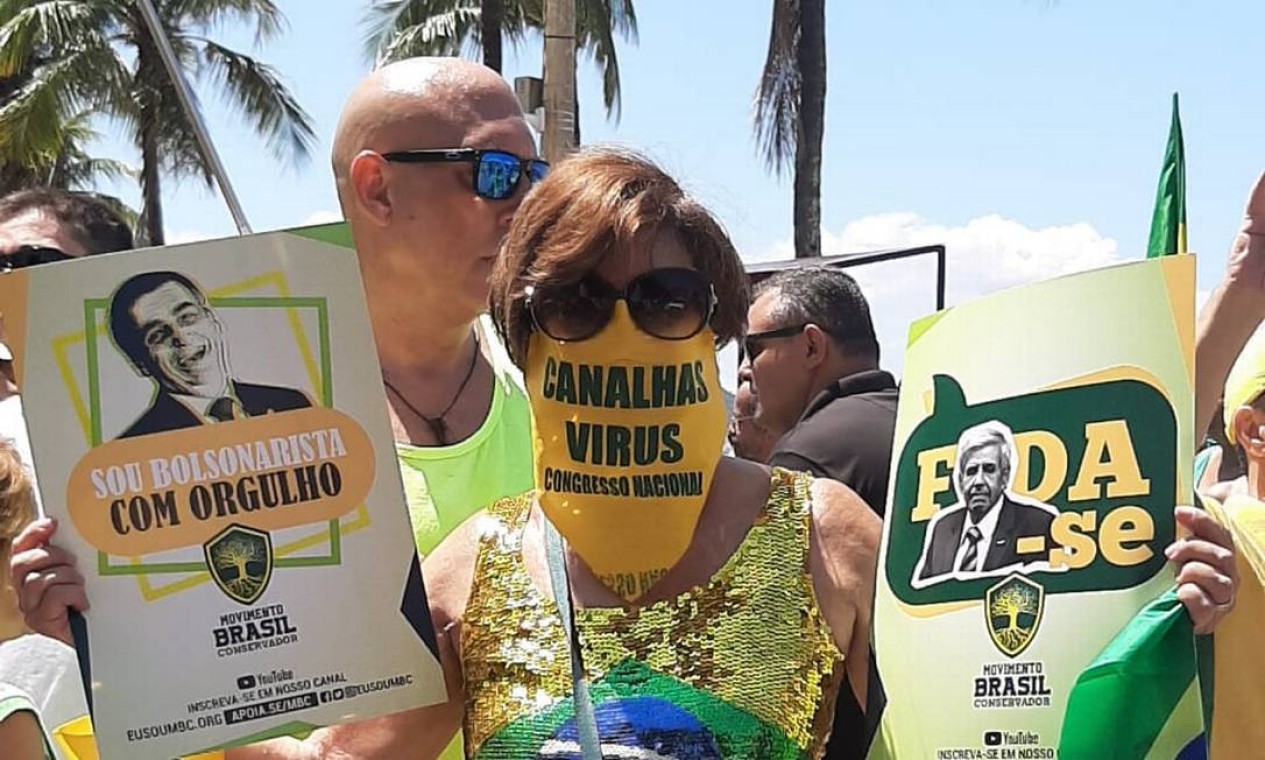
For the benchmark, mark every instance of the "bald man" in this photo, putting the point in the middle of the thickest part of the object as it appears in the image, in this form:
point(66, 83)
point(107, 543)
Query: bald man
point(432, 157)
point(415, 140)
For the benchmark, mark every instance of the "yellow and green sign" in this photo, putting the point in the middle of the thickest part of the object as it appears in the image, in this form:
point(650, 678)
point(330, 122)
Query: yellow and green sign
point(1043, 439)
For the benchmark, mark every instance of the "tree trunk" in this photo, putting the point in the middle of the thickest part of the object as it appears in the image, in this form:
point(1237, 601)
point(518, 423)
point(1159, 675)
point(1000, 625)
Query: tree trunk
point(811, 55)
point(151, 189)
point(575, 110)
point(559, 79)
point(492, 19)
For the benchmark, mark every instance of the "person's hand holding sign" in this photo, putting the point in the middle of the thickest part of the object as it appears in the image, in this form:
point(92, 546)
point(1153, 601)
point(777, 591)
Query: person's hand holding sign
point(47, 583)
point(1206, 573)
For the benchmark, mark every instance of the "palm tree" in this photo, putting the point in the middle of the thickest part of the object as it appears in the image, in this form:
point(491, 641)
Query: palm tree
point(405, 28)
point(790, 110)
point(68, 166)
point(52, 154)
point(107, 62)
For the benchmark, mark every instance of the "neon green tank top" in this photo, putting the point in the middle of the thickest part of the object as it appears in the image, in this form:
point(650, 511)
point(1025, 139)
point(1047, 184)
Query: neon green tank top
point(446, 484)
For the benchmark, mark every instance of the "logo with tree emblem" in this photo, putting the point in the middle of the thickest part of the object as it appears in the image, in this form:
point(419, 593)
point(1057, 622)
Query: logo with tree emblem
point(1012, 611)
point(240, 561)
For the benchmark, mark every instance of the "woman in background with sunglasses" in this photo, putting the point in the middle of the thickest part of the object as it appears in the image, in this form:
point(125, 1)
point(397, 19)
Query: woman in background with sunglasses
point(706, 606)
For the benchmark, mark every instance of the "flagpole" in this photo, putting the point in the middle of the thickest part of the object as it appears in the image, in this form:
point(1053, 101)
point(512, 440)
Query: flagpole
point(207, 148)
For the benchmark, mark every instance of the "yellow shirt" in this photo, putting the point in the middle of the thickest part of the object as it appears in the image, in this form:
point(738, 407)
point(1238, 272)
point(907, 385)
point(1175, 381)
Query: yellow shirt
point(1238, 727)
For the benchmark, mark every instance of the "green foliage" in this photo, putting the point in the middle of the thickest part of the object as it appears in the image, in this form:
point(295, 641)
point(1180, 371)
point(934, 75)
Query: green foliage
point(62, 61)
point(406, 28)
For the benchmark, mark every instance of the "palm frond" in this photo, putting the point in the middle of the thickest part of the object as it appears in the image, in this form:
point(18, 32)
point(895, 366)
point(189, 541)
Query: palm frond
point(207, 15)
point(453, 33)
point(516, 21)
point(50, 25)
point(178, 153)
point(777, 98)
point(79, 170)
point(33, 118)
point(256, 90)
point(398, 29)
point(597, 23)
point(402, 28)
point(623, 20)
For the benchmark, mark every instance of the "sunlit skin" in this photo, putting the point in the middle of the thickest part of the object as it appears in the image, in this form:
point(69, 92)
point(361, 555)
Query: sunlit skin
point(21, 738)
point(426, 241)
point(750, 439)
point(184, 339)
point(34, 227)
point(780, 376)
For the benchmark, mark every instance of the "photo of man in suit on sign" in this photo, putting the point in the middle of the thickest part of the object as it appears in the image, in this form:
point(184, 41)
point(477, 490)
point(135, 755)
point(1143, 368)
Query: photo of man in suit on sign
point(989, 531)
point(164, 325)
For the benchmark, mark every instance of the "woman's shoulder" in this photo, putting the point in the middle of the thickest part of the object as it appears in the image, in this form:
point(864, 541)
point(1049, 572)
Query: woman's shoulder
point(846, 530)
point(449, 570)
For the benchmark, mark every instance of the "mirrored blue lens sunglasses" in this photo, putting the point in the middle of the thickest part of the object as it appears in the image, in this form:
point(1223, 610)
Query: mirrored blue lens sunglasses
point(497, 173)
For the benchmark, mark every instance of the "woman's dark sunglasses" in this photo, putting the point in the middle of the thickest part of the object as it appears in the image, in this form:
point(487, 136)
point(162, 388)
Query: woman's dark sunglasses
point(32, 255)
point(672, 304)
point(497, 173)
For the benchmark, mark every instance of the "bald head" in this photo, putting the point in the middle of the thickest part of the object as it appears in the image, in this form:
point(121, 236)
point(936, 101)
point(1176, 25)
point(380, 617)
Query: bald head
point(423, 234)
point(419, 103)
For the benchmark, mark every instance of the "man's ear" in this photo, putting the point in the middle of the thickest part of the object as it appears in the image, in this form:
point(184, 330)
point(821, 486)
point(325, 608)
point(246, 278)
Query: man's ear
point(369, 186)
point(818, 345)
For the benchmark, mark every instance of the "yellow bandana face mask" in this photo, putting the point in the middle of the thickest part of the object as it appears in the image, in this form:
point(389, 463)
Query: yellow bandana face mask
point(627, 431)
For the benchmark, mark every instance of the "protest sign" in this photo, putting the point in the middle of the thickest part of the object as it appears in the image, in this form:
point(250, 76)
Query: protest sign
point(1043, 438)
point(208, 424)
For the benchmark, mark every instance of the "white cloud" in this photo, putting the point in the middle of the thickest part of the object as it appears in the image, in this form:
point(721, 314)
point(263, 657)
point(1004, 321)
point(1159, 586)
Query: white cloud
point(985, 255)
point(322, 217)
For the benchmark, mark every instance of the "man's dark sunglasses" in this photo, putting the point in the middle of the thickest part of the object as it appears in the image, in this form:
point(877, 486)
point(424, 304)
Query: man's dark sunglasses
point(32, 255)
point(497, 173)
point(671, 303)
point(751, 345)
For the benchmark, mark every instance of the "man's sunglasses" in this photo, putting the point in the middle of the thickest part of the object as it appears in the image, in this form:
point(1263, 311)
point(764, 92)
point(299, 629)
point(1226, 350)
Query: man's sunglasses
point(497, 173)
point(752, 344)
point(32, 255)
point(672, 304)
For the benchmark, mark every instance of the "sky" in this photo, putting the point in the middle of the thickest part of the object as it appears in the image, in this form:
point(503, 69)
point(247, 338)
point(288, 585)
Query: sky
point(1026, 135)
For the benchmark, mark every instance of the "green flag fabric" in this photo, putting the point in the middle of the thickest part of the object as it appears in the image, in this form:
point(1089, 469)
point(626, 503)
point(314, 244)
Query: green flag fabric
point(1140, 698)
point(1148, 694)
point(1168, 224)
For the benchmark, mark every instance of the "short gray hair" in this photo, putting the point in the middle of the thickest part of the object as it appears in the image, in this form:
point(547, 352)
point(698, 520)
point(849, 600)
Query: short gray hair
point(826, 297)
point(991, 433)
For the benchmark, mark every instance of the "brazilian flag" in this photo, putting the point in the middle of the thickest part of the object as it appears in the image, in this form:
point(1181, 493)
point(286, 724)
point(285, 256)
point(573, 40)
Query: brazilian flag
point(642, 714)
point(1168, 224)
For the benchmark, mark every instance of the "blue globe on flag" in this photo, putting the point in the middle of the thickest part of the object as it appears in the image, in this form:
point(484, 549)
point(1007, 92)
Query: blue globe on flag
point(637, 728)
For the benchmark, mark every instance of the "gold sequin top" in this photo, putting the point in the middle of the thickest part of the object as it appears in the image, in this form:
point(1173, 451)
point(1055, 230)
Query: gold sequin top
point(744, 666)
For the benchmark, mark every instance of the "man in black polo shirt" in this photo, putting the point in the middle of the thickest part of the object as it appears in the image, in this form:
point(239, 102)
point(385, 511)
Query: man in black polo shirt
point(813, 357)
